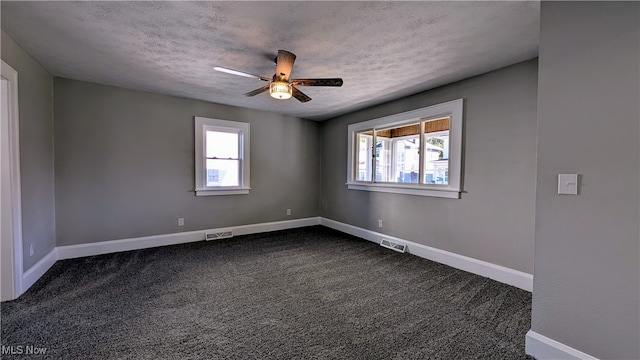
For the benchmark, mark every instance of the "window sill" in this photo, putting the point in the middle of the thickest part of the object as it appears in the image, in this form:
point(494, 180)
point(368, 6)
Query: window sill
point(406, 189)
point(211, 192)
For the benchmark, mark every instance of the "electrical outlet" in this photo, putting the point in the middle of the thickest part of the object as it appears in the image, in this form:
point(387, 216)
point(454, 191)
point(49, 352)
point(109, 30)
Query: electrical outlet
point(288, 211)
point(180, 221)
point(379, 223)
point(30, 249)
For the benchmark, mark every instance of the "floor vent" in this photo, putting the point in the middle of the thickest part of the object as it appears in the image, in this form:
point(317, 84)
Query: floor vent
point(219, 235)
point(393, 246)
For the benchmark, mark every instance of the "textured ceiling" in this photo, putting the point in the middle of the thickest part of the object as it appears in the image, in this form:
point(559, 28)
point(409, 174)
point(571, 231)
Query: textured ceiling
point(382, 50)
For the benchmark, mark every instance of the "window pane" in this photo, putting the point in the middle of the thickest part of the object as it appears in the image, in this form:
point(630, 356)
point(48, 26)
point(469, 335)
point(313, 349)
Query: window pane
point(223, 145)
point(364, 157)
point(397, 154)
point(223, 172)
point(407, 159)
point(383, 159)
point(436, 158)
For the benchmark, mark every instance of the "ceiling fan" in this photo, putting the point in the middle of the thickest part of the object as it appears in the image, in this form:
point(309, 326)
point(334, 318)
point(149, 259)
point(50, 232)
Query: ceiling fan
point(280, 86)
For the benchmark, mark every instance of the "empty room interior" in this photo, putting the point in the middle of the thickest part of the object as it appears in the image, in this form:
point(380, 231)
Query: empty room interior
point(326, 180)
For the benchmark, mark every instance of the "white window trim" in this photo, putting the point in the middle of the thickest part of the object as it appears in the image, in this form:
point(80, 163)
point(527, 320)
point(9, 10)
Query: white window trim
point(452, 109)
point(368, 169)
point(202, 123)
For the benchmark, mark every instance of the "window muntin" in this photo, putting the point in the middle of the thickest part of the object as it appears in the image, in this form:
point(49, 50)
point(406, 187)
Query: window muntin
point(422, 155)
point(222, 157)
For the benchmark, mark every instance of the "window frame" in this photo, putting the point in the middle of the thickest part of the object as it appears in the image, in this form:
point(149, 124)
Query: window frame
point(369, 168)
point(452, 109)
point(202, 125)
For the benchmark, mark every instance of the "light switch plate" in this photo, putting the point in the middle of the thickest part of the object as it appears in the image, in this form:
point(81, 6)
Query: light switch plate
point(568, 184)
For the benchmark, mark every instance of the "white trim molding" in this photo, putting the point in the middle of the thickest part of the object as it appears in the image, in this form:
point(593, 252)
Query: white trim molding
point(112, 246)
point(36, 271)
point(496, 272)
point(105, 247)
point(11, 220)
point(544, 348)
point(451, 109)
point(499, 273)
point(242, 129)
point(405, 189)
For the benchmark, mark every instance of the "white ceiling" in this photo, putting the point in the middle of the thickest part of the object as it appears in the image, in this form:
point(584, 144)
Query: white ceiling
point(382, 50)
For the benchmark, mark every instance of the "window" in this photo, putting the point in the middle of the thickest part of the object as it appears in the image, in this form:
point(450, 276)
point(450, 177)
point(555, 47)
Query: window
point(222, 157)
point(418, 152)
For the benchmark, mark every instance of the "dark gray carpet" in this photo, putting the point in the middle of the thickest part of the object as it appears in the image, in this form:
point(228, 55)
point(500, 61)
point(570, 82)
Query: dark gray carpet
point(310, 293)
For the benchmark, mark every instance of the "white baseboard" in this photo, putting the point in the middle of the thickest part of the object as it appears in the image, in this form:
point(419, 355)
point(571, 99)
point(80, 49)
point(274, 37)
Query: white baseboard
point(36, 271)
point(275, 226)
point(499, 273)
point(106, 247)
point(544, 348)
point(479, 267)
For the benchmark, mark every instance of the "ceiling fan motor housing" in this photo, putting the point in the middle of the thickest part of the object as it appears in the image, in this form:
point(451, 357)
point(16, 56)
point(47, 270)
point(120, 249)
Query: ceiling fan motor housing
point(280, 90)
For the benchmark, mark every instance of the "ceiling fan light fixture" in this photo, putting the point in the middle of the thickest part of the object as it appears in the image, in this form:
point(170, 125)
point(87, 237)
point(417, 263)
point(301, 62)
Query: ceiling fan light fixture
point(280, 90)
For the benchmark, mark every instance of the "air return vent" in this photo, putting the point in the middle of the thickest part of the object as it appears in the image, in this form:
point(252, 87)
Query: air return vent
point(219, 235)
point(393, 246)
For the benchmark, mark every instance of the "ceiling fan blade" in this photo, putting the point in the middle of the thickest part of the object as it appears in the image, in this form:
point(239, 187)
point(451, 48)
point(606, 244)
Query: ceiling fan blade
point(284, 64)
point(317, 82)
point(257, 91)
point(302, 97)
point(240, 73)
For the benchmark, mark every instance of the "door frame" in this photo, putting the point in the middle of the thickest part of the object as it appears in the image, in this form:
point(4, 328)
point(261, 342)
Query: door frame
point(11, 202)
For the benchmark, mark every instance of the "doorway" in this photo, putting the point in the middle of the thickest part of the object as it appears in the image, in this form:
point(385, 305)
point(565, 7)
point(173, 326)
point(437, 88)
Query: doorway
point(10, 201)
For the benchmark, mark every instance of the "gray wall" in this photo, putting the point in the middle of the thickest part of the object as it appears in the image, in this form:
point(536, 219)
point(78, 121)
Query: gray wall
point(587, 272)
point(125, 165)
point(35, 96)
point(494, 219)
